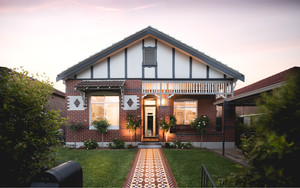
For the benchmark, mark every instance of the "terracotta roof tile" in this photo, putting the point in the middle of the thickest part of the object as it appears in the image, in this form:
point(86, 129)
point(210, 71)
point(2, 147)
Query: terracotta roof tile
point(267, 81)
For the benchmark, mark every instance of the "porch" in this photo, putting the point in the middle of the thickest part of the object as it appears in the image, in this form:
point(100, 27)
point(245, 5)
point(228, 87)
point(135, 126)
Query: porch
point(190, 98)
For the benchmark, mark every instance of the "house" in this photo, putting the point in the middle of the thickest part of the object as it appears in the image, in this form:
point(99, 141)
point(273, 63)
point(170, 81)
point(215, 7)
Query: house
point(57, 102)
point(151, 76)
point(244, 99)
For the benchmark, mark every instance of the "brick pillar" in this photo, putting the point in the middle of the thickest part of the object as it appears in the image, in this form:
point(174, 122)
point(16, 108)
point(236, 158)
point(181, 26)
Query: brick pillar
point(229, 122)
point(163, 113)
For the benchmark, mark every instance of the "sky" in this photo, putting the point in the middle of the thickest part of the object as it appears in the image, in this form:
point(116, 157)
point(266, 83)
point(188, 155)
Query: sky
point(258, 38)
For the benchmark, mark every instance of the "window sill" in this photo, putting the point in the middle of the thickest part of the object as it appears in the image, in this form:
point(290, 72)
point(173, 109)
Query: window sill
point(111, 127)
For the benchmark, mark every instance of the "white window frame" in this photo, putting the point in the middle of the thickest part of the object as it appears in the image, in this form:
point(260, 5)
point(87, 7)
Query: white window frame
point(184, 107)
point(111, 127)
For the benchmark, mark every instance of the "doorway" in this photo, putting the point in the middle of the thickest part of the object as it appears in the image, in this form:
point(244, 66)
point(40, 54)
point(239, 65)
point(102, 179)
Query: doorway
point(150, 118)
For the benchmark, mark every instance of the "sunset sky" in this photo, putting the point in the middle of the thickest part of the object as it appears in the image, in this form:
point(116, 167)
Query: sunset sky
point(258, 38)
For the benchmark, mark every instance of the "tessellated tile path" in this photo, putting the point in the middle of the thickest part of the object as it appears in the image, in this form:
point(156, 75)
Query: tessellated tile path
point(150, 169)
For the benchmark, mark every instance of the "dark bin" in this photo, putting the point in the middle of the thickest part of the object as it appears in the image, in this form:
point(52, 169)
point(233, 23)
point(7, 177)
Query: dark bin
point(68, 174)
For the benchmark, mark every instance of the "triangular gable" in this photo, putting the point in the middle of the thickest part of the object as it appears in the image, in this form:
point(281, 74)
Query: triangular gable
point(155, 33)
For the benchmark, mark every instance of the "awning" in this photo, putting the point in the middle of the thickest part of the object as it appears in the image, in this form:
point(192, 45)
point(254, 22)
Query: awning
point(249, 98)
point(97, 85)
point(105, 85)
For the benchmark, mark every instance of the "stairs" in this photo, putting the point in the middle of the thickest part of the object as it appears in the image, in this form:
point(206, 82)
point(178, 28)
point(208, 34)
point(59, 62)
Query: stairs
point(149, 145)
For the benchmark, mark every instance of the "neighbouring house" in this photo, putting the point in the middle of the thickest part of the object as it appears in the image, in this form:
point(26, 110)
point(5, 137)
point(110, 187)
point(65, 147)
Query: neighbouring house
point(151, 76)
point(244, 99)
point(56, 99)
point(57, 102)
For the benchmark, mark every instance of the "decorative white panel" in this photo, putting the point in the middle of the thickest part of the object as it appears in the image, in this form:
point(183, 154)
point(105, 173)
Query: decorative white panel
point(75, 103)
point(117, 65)
point(149, 42)
point(131, 102)
point(164, 61)
point(198, 69)
point(84, 74)
point(182, 65)
point(214, 73)
point(100, 70)
point(149, 72)
point(134, 61)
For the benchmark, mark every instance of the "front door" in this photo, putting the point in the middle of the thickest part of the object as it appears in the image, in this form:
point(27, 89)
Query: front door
point(150, 121)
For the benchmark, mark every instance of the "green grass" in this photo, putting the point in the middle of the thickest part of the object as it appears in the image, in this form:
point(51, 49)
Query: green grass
point(101, 168)
point(186, 166)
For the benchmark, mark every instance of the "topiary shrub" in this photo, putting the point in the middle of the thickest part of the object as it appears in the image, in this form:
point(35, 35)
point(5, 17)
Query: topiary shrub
point(201, 123)
point(101, 126)
point(28, 131)
point(90, 144)
point(117, 144)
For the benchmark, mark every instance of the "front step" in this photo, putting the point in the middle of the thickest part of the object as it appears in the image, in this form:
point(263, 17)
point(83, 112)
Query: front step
point(149, 145)
point(150, 139)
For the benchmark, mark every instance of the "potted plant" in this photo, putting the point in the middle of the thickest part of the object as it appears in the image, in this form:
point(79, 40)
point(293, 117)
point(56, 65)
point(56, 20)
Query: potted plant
point(132, 124)
point(101, 126)
point(74, 127)
point(201, 123)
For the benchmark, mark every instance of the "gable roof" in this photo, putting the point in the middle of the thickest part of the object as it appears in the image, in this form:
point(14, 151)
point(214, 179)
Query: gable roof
point(154, 32)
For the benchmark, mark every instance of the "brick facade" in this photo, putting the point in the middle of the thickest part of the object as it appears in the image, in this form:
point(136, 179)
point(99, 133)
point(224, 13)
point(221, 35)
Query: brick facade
point(133, 87)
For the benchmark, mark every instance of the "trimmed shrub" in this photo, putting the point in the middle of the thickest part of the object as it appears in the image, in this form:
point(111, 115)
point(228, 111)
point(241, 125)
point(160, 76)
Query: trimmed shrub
point(90, 144)
point(117, 144)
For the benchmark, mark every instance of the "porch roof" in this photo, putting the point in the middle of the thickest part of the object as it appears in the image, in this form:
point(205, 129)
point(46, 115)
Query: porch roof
point(100, 84)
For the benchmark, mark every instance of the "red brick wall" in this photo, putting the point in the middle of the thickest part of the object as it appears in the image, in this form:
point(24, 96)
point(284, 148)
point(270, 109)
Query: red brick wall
point(83, 117)
point(56, 102)
point(133, 87)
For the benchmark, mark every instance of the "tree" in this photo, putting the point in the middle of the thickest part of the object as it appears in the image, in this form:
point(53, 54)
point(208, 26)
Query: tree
point(28, 131)
point(165, 127)
point(132, 124)
point(201, 123)
point(74, 127)
point(101, 127)
point(274, 150)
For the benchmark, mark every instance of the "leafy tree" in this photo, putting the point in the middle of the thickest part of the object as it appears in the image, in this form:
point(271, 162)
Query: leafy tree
point(28, 131)
point(132, 124)
point(101, 127)
point(274, 150)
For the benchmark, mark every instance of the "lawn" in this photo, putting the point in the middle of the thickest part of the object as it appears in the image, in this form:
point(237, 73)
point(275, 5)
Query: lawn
point(101, 168)
point(186, 166)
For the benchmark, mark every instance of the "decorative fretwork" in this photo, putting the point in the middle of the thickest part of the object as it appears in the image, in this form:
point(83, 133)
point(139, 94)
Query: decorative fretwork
point(170, 88)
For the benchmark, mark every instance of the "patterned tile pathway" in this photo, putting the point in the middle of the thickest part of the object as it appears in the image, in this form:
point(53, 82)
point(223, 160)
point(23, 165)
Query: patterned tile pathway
point(150, 169)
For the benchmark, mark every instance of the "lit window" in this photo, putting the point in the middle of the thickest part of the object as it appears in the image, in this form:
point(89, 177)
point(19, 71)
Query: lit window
point(105, 107)
point(185, 111)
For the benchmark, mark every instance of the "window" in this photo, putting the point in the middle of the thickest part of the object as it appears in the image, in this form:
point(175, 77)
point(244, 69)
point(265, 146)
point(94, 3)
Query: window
point(185, 111)
point(105, 107)
point(149, 56)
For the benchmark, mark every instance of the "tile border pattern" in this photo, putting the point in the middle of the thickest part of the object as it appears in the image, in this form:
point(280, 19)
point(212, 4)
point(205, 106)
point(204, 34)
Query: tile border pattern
point(150, 169)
